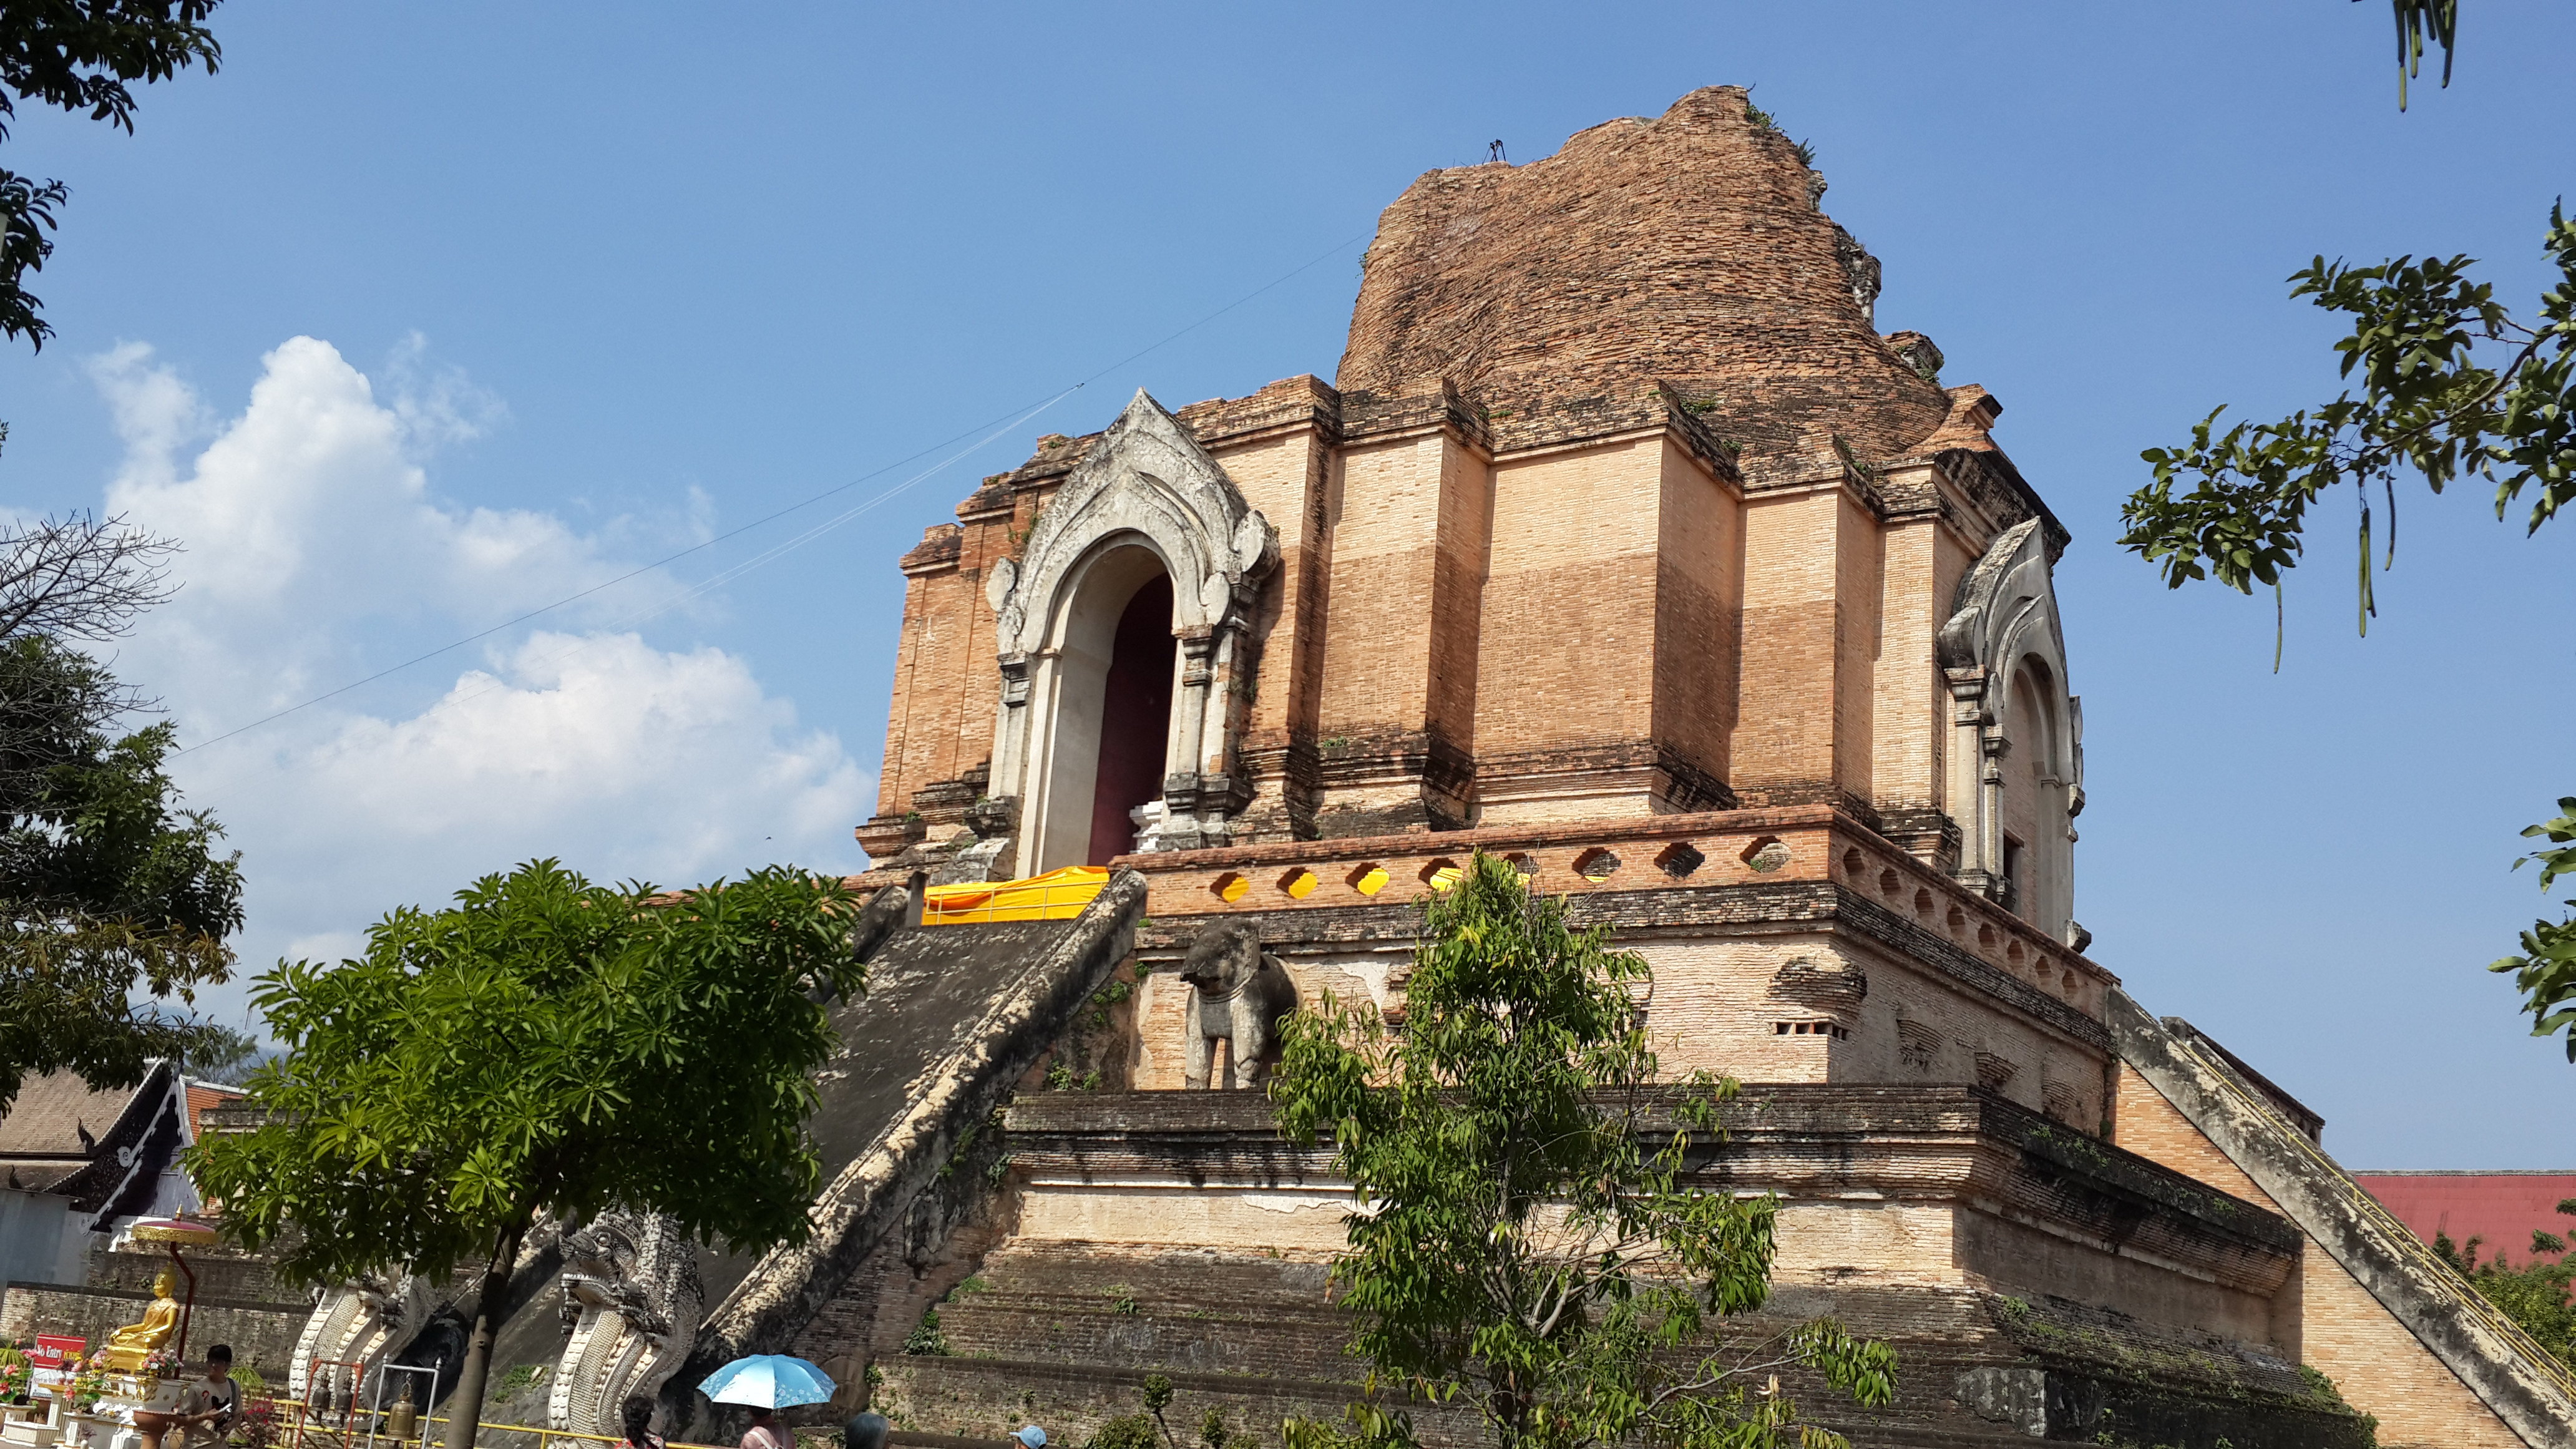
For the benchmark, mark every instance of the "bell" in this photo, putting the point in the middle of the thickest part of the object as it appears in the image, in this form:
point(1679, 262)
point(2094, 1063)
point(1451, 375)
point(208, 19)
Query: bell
point(402, 1421)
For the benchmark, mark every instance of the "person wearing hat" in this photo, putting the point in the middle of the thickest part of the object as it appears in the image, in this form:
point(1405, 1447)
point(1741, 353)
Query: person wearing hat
point(1031, 1437)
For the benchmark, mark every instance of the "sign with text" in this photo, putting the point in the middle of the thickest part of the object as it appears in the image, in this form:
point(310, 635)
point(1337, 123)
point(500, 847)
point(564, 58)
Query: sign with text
point(52, 1351)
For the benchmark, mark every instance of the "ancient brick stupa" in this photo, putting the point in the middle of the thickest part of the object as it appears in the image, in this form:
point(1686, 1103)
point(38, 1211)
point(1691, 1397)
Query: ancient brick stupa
point(1624, 545)
point(1626, 548)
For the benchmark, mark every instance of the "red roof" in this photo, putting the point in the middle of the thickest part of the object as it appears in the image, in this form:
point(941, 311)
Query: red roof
point(2503, 1208)
point(202, 1095)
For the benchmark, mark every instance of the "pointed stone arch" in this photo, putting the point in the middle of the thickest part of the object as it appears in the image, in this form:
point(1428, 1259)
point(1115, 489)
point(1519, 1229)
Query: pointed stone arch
point(2017, 734)
point(1145, 490)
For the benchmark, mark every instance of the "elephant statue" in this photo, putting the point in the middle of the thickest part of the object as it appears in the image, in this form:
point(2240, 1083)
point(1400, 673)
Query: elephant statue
point(1238, 993)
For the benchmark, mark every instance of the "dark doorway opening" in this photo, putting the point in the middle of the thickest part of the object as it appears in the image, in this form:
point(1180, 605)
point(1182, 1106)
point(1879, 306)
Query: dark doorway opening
point(1135, 719)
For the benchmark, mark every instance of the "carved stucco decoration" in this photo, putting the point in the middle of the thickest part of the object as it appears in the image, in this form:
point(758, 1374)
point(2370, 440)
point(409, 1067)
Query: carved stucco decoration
point(631, 1304)
point(1831, 987)
point(1146, 483)
point(2005, 627)
point(352, 1329)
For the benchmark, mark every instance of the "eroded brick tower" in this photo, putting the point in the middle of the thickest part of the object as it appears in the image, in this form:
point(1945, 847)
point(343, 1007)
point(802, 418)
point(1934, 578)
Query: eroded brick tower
point(1626, 547)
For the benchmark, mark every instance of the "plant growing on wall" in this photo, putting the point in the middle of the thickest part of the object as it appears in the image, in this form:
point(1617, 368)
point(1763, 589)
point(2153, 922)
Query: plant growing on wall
point(545, 1045)
point(1525, 1239)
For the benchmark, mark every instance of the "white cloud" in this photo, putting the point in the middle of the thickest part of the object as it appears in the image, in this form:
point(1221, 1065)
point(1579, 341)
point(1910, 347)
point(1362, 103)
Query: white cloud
point(313, 542)
point(315, 499)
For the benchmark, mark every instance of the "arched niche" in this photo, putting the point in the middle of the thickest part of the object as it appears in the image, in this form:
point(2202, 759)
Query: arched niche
point(2016, 757)
point(1092, 722)
point(1147, 502)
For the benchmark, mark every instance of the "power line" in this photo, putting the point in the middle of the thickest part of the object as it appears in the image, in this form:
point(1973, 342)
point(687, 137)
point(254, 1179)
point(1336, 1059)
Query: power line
point(738, 570)
point(755, 561)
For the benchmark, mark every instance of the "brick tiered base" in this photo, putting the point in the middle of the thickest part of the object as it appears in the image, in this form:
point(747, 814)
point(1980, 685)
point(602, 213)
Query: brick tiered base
point(1065, 1335)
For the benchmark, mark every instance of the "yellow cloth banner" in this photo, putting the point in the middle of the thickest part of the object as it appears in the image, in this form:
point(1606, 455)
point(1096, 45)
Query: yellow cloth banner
point(1058, 895)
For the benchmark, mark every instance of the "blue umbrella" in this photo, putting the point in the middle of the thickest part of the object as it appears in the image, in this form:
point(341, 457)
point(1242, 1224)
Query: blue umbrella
point(768, 1381)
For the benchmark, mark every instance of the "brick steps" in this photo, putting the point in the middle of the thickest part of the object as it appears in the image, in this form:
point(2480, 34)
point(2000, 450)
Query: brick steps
point(1064, 1335)
point(1195, 1312)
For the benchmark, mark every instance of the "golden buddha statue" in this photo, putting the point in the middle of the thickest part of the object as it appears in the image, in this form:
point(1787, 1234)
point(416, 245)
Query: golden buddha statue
point(128, 1347)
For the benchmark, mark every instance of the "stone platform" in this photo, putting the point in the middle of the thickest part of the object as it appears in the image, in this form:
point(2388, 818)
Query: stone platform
point(1939, 1219)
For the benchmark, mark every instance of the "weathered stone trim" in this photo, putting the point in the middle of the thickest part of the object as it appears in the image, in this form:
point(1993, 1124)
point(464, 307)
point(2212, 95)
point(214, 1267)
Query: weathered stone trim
point(1903, 936)
point(1371, 417)
point(940, 547)
point(871, 1195)
point(1805, 1141)
point(1800, 904)
point(1926, 832)
point(1289, 405)
point(2510, 1374)
point(2308, 1120)
point(1631, 425)
point(1651, 768)
point(1435, 778)
point(1986, 479)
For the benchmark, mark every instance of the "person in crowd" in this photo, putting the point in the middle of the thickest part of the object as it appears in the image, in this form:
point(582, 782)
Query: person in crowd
point(207, 1408)
point(765, 1432)
point(1031, 1437)
point(866, 1431)
point(637, 1413)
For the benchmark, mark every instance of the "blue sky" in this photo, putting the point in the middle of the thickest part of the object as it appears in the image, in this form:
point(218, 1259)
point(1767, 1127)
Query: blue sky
point(584, 284)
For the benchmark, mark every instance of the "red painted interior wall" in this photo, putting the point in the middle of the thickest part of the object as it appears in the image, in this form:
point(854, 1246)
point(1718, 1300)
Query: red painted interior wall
point(1135, 719)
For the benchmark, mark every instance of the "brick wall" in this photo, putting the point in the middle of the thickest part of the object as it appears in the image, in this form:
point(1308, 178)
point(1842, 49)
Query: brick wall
point(1907, 713)
point(1517, 576)
point(262, 1335)
point(1785, 743)
point(2334, 1323)
point(1699, 605)
point(219, 1275)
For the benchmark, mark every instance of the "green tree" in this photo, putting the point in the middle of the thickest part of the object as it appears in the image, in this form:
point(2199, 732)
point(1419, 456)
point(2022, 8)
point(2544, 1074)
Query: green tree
point(77, 55)
point(2545, 971)
point(1527, 1239)
point(2534, 1295)
point(2451, 385)
point(2417, 21)
point(225, 1056)
point(108, 889)
point(543, 1046)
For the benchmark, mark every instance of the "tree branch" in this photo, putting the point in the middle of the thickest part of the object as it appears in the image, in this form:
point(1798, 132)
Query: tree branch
point(80, 578)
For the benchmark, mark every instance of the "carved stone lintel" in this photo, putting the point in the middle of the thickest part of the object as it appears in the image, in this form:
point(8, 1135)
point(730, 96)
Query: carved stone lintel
point(2003, 657)
point(1146, 485)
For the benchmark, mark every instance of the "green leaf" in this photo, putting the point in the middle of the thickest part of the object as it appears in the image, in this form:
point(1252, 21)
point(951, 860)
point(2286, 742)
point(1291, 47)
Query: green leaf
point(1527, 1235)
